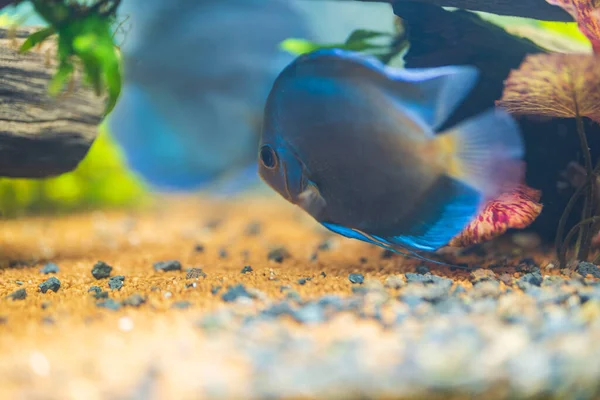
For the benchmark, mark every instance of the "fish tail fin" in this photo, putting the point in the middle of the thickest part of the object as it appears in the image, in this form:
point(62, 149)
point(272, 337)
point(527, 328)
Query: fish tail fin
point(484, 152)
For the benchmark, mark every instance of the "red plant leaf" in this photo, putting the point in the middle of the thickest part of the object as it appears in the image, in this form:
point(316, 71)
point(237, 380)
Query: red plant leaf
point(587, 15)
point(517, 210)
point(554, 85)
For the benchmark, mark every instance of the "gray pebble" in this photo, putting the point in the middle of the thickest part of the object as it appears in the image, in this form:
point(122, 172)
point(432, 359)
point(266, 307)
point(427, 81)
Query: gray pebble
point(412, 300)
point(432, 292)
point(325, 245)
point(293, 295)
point(110, 304)
point(429, 279)
point(170, 265)
point(332, 301)
point(135, 300)
point(459, 289)
point(486, 288)
point(101, 295)
point(253, 229)
point(95, 289)
point(181, 305)
point(552, 295)
point(309, 314)
point(528, 265)
point(195, 273)
point(278, 254)
point(101, 270)
point(50, 284)
point(20, 294)
point(361, 290)
point(584, 268)
point(116, 282)
point(302, 281)
point(49, 268)
point(234, 292)
point(530, 279)
point(394, 282)
point(552, 280)
point(480, 275)
point(247, 269)
point(277, 310)
point(356, 278)
point(422, 269)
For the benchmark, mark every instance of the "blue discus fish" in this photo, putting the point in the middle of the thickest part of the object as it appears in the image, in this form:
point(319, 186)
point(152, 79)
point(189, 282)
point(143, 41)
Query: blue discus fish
point(196, 76)
point(355, 144)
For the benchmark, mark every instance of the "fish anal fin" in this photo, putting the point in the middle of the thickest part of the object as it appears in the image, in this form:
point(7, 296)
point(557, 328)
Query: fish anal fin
point(443, 212)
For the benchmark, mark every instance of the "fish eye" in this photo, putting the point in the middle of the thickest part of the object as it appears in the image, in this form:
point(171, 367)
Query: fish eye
point(268, 157)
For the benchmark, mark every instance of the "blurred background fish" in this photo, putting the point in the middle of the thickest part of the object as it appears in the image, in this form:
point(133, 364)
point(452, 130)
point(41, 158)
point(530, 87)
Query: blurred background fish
point(197, 74)
point(356, 145)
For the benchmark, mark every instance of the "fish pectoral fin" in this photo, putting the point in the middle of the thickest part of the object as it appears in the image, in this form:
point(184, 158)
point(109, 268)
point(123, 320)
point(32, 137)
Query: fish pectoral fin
point(358, 235)
point(484, 152)
point(311, 200)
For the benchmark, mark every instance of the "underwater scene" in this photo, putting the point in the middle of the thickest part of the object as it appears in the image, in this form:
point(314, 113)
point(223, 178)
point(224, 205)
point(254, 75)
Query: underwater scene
point(299, 199)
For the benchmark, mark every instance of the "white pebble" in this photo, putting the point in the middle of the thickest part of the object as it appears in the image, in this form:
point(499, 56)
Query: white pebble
point(125, 324)
point(39, 364)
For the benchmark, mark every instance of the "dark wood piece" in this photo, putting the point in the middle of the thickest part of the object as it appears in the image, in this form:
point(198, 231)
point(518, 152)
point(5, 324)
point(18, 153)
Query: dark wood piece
point(536, 9)
point(41, 136)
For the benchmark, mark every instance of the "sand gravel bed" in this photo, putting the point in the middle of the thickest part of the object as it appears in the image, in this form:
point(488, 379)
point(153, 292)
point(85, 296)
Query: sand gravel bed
point(250, 298)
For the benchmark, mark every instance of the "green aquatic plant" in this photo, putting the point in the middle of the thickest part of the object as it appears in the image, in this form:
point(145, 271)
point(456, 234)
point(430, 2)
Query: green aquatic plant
point(102, 180)
point(566, 86)
point(85, 37)
point(385, 46)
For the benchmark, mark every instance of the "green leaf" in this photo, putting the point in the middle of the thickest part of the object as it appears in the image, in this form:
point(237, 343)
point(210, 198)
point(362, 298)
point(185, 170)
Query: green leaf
point(60, 78)
point(361, 35)
point(112, 77)
point(299, 46)
point(95, 47)
point(83, 34)
point(36, 38)
point(357, 41)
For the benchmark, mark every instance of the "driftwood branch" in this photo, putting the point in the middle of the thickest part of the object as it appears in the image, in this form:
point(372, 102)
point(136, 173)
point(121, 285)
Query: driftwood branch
point(4, 3)
point(40, 135)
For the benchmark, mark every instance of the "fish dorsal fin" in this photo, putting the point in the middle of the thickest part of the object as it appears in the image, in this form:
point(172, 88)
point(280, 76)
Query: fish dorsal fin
point(430, 95)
